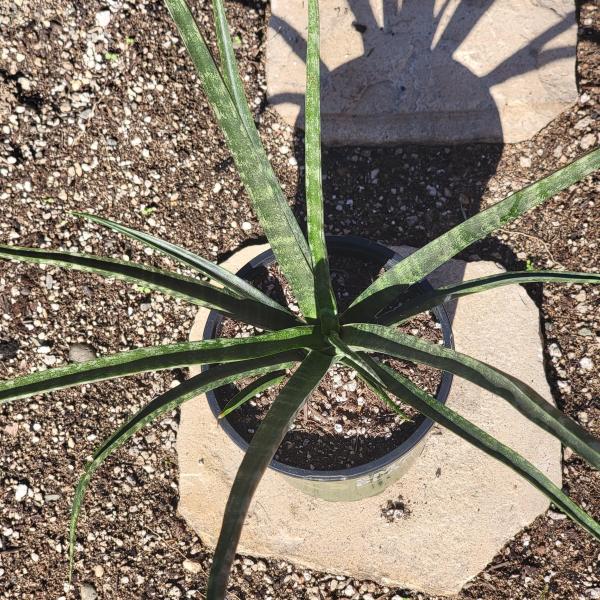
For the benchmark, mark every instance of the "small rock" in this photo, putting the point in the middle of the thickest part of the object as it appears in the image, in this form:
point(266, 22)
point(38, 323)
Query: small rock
point(261, 566)
point(338, 428)
point(556, 516)
point(11, 429)
point(103, 18)
point(99, 571)
point(349, 591)
point(246, 226)
point(24, 83)
point(525, 162)
point(217, 188)
point(554, 351)
point(586, 363)
point(88, 592)
point(81, 353)
point(583, 123)
point(21, 492)
point(587, 141)
point(192, 566)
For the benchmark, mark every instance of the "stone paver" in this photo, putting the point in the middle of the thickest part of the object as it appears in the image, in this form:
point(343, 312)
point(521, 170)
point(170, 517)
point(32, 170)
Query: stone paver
point(411, 71)
point(463, 505)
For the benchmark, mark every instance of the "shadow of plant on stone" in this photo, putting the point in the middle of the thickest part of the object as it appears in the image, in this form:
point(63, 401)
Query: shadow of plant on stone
point(414, 79)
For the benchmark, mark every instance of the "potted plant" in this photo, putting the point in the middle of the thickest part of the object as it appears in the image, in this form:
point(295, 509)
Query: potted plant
point(320, 335)
point(347, 445)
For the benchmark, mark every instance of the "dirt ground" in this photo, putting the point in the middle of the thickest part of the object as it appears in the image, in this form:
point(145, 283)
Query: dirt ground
point(114, 121)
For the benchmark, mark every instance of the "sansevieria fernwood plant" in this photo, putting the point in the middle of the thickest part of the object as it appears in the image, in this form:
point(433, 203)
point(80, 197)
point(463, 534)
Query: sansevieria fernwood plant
point(309, 344)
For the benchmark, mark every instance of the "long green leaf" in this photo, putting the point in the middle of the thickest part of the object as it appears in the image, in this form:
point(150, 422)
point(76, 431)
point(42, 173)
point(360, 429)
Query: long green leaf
point(273, 211)
point(170, 400)
point(252, 389)
point(412, 269)
point(156, 358)
point(264, 444)
point(420, 302)
point(230, 71)
point(377, 338)
point(325, 298)
point(193, 290)
point(230, 282)
point(412, 395)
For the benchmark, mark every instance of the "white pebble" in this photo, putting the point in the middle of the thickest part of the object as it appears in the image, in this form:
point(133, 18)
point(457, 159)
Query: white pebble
point(587, 141)
point(554, 351)
point(586, 363)
point(525, 162)
point(21, 492)
point(191, 566)
point(103, 18)
point(99, 571)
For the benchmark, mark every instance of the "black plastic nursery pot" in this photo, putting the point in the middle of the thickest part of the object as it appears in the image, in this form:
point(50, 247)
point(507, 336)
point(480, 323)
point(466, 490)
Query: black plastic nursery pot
point(373, 477)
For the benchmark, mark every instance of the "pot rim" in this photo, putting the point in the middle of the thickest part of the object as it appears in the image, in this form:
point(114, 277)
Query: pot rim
point(365, 248)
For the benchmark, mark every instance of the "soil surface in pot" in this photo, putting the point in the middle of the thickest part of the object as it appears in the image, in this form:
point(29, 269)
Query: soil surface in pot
point(344, 424)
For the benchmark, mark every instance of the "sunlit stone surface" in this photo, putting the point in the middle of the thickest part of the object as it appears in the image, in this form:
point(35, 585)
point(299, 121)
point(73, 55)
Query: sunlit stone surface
point(414, 71)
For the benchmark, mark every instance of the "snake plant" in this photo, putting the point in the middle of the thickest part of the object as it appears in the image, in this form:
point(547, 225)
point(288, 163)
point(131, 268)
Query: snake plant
point(307, 345)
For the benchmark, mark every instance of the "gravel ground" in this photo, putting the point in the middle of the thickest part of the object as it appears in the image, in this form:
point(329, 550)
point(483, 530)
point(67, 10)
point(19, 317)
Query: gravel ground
point(100, 110)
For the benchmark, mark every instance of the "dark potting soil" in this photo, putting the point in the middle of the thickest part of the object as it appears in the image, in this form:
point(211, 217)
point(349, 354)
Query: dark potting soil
point(343, 424)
